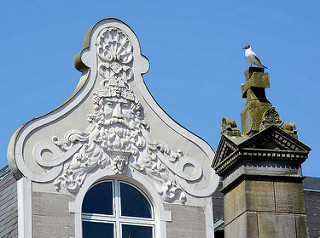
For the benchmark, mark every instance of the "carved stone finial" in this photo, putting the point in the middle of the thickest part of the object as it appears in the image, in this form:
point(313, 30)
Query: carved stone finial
point(257, 102)
point(290, 128)
point(269, 118)
point(229, 127)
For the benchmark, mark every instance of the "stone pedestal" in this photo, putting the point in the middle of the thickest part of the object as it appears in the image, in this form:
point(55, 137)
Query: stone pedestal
point(265, 209)
point(261, 169)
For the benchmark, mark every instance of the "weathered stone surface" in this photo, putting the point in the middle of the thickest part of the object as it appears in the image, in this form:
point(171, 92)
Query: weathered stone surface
point(276, 226)
point(229, 127)
point(289, 197)
point(252, 81)
point(234, 203)
point(251, 116)
point(51, 216)
point(245, 226)
point(253, 163)
point(259, 196)
point(312, 204)
point(262, 168)
point(301, 225)
point(269, 118)
point(51, 226)
point(187, 222)
point(290, 128)
point(248, 196)
point(257, 103)
point(272, 144)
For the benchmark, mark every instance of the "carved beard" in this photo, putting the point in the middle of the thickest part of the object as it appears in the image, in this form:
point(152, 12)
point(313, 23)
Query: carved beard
point(118, 138)
point(117, 135)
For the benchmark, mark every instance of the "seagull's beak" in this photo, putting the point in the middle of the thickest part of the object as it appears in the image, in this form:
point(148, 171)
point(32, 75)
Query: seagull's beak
point(244, 47)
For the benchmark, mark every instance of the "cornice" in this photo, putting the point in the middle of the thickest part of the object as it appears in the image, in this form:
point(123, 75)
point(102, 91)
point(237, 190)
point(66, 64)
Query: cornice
point(287, 149)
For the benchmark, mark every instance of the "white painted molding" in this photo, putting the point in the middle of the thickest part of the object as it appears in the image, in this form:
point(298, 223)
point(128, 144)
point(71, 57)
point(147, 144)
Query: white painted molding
point(209, 218)
point(40, 122)
point(24, 208)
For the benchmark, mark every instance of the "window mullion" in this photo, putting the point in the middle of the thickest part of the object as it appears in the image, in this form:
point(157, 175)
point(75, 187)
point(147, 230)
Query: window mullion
point(97, 217)
point(134, 221)
point(117, 207)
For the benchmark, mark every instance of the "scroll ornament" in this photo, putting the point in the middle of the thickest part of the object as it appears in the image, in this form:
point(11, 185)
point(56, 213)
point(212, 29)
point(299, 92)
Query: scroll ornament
point(118, 136)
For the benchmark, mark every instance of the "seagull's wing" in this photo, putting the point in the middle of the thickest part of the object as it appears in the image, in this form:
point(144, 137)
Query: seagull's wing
point(256, 57)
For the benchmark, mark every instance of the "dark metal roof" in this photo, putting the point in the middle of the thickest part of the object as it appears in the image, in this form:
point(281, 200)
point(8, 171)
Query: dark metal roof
point(8, 204)
point(311, 183)
point(4, 172)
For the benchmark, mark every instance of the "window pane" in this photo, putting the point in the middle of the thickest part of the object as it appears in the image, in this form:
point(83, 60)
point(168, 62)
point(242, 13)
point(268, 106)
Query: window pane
point(99, 199)
point(97, 230)
point(133, 203)
point(130, 231)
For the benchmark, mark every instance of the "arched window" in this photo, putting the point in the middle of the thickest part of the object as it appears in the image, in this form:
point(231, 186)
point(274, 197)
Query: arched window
point(116, 209)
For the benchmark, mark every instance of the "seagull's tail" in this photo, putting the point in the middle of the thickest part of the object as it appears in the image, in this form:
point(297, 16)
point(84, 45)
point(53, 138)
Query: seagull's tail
point(264, 66)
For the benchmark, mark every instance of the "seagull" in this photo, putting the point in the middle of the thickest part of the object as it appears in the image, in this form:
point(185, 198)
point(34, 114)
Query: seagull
point(251, 57)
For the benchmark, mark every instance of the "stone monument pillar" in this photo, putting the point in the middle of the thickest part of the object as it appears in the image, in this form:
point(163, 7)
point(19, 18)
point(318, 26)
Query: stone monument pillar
point(261, 168)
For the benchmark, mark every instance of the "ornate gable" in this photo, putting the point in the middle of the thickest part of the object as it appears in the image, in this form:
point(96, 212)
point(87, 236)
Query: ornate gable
point(112, 122)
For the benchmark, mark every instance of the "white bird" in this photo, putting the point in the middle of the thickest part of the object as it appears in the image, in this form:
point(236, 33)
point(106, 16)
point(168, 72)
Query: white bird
point(251, 57)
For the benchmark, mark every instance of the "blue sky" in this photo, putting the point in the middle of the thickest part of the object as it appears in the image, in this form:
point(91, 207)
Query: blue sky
point(195, 53)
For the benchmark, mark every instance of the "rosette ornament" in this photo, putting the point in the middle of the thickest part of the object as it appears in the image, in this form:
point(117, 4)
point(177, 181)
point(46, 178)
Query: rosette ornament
point(115, 51)
point(114, 45)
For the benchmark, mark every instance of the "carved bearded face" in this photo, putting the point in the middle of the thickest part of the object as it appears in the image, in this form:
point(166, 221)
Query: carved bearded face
point(118, 124)
point(118, 121)
point(117, 111)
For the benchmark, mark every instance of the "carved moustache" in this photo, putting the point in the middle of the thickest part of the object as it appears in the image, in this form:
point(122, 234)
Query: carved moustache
point(113, 121)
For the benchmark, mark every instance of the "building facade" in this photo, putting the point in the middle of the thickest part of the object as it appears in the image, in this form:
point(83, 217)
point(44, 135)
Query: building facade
point(110, 162)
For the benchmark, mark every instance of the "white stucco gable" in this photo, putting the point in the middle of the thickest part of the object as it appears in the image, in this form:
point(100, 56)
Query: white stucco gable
point(112, 123)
